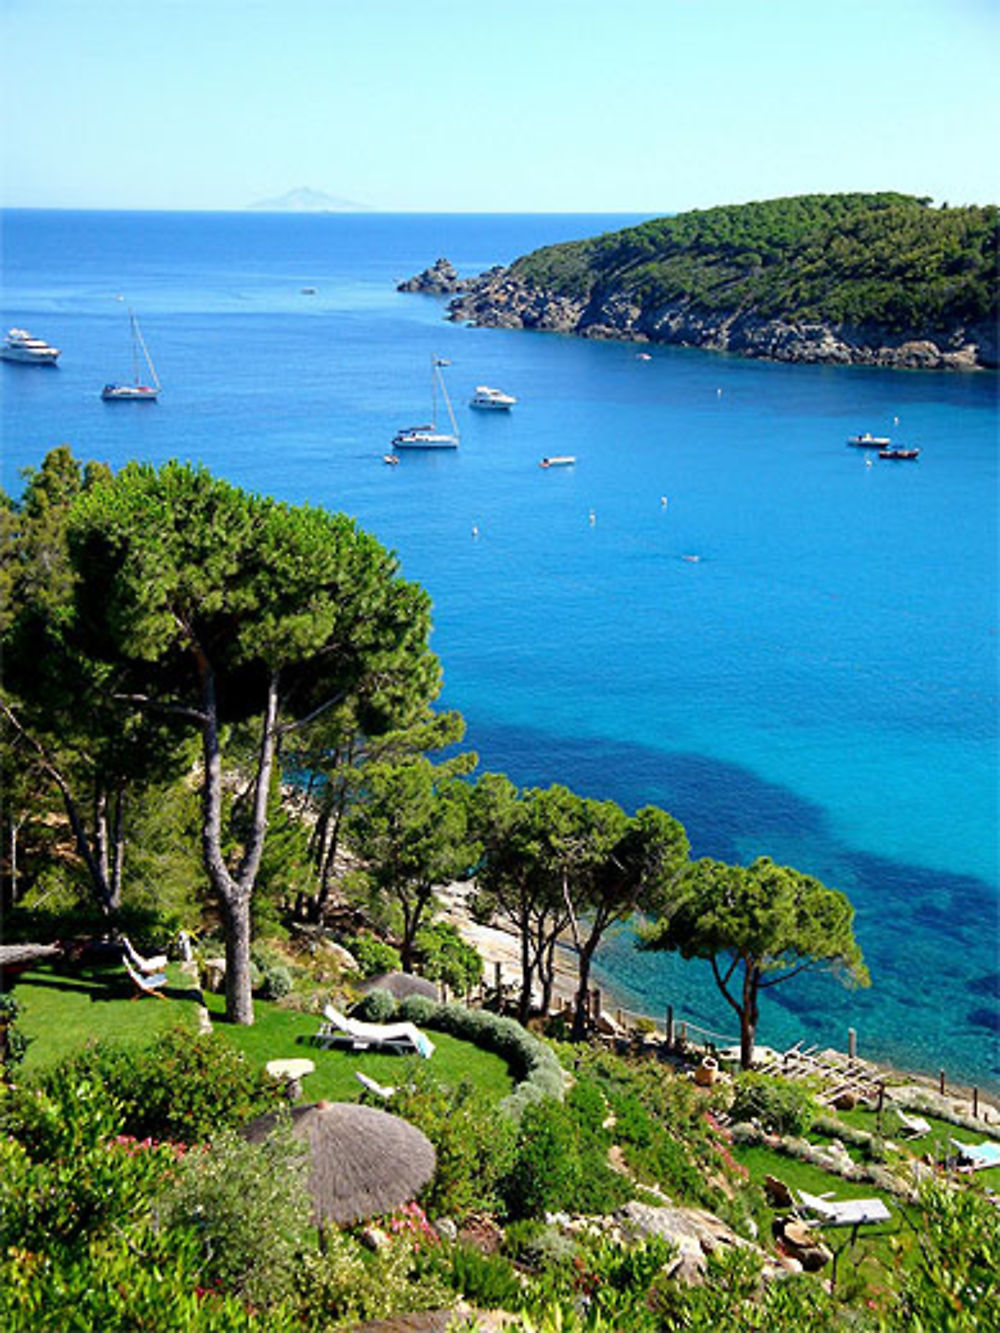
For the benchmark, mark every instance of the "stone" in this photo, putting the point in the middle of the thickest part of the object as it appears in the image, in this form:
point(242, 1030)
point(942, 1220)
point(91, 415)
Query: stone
point(213, 974)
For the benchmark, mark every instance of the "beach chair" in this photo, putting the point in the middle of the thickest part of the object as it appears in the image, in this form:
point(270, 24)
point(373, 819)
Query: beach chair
point(370, 1085)
point(912, 1126)
point(977, 1156)
point(403, 1038)
point(147, 966)
point(824, 1211)
point(145, 985)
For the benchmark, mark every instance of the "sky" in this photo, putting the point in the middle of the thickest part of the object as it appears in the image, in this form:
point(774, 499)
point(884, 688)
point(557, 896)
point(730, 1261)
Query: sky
point(616, 106)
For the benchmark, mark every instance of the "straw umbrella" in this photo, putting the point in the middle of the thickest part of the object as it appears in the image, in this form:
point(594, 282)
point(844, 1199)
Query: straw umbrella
point(362, 1161)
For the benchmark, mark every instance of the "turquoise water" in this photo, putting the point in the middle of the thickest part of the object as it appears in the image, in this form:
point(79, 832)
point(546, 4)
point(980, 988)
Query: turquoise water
point(819, 685)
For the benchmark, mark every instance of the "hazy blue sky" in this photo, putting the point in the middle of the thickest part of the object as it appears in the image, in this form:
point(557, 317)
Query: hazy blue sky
point(487, 105)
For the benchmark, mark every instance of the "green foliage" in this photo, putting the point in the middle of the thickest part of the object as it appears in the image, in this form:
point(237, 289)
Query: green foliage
point(882, 259)
point(66, 1174)
point(954, 1287)
point(377, 1006)
point(474, 1146)
point(181, 1086)
point(780, 1106)
point(445, 956)
point(561, 1166)
point(139, 1277)
point(348, 1284)
point(274, 976)
point(13, 1042)
point(373, 955)
point(249, 1207)
point(487, 1280)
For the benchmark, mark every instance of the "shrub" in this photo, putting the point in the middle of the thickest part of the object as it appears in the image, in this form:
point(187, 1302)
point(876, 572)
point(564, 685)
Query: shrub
point(373, 955)
point(65, 1174)
point(779, 1106)
point(474, 1147)
point(183, 1086)
point(488, 1280)
point(347, 1284)
point(13, 1042)
point(249, 1206)
point(376, 1007)
point(446, 957)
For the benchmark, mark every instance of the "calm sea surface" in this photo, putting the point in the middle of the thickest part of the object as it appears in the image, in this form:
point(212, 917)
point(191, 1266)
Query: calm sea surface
point(819, 685)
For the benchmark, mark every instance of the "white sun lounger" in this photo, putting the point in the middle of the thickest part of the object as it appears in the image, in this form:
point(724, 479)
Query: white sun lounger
point(369, 1084)
point(145, 985)
point(339, 1030)
point(844, 1213)
point(980, 1156)
point(913, 1126)
point(146, 966)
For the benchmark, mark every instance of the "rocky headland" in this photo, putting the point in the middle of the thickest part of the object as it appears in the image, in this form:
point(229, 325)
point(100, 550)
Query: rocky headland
point(862, 279)
point(500, 299)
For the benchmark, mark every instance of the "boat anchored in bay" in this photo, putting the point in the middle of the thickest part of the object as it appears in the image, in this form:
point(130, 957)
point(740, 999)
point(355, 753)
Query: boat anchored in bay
point(869, 441)
point(429, 437)
point(486, 399)
point(20, 345)
point(136, 392)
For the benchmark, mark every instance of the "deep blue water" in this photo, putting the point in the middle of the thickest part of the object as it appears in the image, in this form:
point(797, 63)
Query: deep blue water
point(820, 685)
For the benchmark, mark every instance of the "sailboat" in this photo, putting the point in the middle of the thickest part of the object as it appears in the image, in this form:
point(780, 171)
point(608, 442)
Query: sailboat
point(429, 437)
point(136, 392)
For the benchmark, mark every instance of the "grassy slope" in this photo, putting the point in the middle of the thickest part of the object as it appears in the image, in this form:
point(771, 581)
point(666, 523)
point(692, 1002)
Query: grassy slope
point(888, 259)
point(62, 1011)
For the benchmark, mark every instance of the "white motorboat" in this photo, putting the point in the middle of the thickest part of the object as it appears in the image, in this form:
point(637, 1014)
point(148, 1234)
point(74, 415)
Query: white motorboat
point(429, 437)
point(491, 400)
point(558, 460)
point(20, 345)
point(136, 392)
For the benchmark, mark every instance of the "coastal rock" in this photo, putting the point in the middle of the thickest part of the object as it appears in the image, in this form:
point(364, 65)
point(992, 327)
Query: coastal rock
point(441, 279)
point(499, 299)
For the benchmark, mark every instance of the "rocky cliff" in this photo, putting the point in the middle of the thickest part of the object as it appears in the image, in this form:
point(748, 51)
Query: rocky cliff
point(500, 299)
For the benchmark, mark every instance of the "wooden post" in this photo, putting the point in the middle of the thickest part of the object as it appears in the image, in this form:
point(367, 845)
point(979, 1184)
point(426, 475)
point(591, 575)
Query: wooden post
point(619, 1018)
point(595, 1012)
point(498, 976)
point(881, 1104)
point(941, 1081)
point(682, 1034)
point(852, 1044)
point(670, 1025)
point(975, 1103)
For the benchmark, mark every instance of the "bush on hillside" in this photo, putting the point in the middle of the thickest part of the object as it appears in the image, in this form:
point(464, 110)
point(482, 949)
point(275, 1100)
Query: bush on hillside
point(182, 1086)
point(779, 1106)
point(373, 955)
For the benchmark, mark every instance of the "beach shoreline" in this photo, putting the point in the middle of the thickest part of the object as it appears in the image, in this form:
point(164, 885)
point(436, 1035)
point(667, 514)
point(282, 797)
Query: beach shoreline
point(498, 946)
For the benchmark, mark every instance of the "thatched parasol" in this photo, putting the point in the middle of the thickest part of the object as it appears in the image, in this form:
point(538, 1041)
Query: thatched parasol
point(401, 985)
point(362, 1161)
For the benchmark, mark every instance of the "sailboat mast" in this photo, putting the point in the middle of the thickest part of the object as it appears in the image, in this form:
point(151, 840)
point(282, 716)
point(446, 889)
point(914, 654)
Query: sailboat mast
point(137, 338)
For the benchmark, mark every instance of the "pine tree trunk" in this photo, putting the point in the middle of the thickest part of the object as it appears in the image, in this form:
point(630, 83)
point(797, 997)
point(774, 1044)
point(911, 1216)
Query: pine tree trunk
point(239, 990)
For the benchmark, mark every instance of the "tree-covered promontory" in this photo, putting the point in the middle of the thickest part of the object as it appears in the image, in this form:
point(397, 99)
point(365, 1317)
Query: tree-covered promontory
point(879, 278)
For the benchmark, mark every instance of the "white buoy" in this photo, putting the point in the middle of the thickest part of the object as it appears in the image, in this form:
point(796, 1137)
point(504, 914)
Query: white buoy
point(663, 501)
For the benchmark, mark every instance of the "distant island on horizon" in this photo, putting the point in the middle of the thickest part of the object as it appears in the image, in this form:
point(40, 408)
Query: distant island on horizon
point(305, 200)
point(870, 279)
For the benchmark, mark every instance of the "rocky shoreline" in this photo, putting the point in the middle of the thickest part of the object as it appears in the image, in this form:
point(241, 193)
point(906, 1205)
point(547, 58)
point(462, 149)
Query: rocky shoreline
point(499, 299)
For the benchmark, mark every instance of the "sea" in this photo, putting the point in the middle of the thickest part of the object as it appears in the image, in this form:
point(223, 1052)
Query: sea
point(719, 609)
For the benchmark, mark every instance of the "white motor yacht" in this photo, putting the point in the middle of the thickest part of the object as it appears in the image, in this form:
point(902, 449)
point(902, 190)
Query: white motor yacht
point(20, 345)
point(491, 400)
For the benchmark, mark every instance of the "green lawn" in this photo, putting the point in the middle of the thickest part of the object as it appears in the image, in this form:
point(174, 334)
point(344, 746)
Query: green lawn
point(280, 1034)
point(62, 1010)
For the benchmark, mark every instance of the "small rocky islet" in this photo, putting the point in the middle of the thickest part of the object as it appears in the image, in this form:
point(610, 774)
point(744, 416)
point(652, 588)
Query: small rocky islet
point(873, 279)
